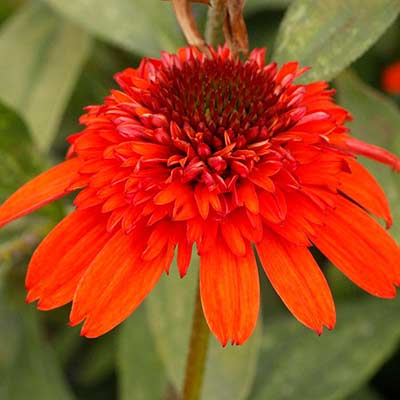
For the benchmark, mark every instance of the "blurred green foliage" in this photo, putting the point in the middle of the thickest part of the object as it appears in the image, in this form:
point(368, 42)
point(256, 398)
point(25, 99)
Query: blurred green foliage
point(57, 57)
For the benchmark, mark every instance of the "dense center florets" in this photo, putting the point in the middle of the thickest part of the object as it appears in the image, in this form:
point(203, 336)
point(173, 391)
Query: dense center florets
point(222, 114)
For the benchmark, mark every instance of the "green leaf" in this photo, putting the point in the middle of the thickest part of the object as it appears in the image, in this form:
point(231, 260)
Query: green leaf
point(28, 367)
point(18, 161)
point(296, 363)
point(229, 371)
point(376, 120)
point(10, 335)
point(65, 343)
point(262, 29)
point(142, 26)
point(6, 8)
point(98, 361)
point(328, 35)
point(41, 56)
point(19, 239)
point(14, 135)
point(253, 6)
point(94, 83)
point(365, 393)
point(140, 370)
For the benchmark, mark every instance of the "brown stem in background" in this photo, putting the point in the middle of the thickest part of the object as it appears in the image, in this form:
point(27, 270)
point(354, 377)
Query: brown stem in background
point(187, 22)
point(215, 20)
point(225, 18)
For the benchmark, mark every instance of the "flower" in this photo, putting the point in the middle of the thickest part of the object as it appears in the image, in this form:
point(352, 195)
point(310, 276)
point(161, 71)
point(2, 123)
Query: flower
point(391, 78)
point(224, 154)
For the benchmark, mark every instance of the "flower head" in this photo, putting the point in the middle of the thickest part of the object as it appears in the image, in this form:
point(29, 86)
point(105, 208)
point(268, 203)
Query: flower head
point(224, 155)
point(391, 78)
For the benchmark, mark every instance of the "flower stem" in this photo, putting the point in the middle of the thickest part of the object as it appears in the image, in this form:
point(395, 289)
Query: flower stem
point(215, 21)
point(197, 355)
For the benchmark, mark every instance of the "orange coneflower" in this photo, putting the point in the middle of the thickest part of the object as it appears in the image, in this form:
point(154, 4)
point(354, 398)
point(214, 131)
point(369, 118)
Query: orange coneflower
point(391, 78)
point(222, 154)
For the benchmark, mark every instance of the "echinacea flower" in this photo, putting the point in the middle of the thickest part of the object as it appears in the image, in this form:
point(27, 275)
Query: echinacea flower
point(391, 78)
point(225, 155)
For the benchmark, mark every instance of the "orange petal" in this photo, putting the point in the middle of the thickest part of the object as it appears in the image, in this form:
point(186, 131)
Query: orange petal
point(185, 206)
point(362, 187)
point(250, 225)
point(233, 237)
point(374, 152)
point(115, 283)
point(298, 280)
point(229, 288)
point(273, 207)
point(122, 297)
point(391, 78)
point(248, 196)
point(58, 243)
point(58, 286)
point(158, 240)
point(38, 192)
point(360, 248)
point(184, 256)
point(202, 201)
point(168, 194)
point(262, 180)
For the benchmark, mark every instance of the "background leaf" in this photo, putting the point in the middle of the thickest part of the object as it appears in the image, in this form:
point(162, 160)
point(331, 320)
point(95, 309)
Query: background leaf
point(295, 363)
point(329, 34)
point(253, 6)
point(41, 58)
point(262, 29)
point(365, 393)
point(32, 372)
point(98, 361)
point(143, 26)
point(141, 372)
point(229, 371)
point(17, 153)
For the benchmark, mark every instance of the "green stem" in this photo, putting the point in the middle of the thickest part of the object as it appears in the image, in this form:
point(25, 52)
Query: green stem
point(197, 355)
point(215, 20)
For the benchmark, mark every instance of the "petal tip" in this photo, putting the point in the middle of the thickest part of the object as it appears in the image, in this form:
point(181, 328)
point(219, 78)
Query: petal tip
point(31, 297)
point(40, 191)
point(374, 152)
